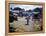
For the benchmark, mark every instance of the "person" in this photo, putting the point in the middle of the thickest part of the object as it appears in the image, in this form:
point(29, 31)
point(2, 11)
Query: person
point(11, 17)
point(11, 24)
point(28, 17)
point(15, 17)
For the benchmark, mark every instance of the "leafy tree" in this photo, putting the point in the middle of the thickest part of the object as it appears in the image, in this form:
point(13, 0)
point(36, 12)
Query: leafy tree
point(38, 9)
point(17, 8)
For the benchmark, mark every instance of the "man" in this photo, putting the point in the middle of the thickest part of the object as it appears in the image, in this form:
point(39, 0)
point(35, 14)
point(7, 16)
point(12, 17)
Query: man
point(28, 17)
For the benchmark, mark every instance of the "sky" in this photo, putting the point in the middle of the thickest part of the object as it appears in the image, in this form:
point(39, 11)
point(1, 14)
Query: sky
point(26, 7)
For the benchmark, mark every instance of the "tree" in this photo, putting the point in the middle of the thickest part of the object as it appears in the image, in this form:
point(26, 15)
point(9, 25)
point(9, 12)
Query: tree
point(29, 10)
point(38, 9)
point(36, 12)
point(17, 8)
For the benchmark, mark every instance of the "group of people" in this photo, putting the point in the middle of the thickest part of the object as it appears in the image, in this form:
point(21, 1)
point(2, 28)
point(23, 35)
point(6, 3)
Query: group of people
point(14, 16)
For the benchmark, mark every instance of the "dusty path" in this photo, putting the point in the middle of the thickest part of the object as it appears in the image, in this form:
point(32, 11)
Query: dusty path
point(21, 23)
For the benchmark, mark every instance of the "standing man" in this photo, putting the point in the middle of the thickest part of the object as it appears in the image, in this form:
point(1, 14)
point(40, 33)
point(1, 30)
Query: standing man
point(27, 18)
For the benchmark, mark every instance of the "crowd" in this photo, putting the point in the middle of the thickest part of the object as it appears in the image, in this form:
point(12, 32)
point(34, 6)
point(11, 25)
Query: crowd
point(14, 17)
